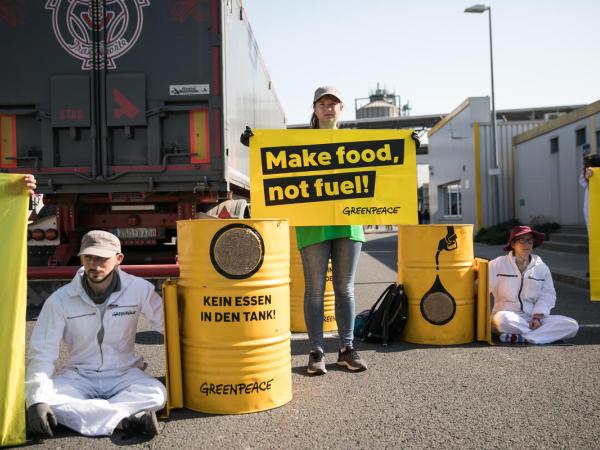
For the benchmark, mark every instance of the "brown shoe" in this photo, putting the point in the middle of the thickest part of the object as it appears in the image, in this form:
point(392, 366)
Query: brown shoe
point(348, 357)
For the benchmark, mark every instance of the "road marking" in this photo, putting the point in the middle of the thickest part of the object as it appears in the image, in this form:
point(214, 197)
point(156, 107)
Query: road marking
point(589, 325)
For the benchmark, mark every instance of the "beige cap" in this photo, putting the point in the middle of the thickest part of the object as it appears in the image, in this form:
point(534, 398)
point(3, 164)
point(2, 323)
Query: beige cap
point(327, 90)
point(100, 243)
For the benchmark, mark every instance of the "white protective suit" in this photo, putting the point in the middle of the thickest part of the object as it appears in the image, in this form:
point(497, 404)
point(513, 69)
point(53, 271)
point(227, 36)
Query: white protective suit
point(517, 297)
point(585, 184)
point(101, 382)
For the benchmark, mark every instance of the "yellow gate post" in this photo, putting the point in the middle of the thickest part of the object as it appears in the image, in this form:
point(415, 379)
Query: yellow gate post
point(484, 319)
point(172, 347)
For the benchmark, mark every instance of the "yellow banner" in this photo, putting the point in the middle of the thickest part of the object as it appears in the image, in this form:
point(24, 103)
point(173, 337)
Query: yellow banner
point(334, 177)
point(13, 302)
point(594, 205)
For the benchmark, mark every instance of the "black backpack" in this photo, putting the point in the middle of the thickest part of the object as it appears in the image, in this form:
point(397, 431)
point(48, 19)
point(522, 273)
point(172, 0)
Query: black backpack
point(385, 320)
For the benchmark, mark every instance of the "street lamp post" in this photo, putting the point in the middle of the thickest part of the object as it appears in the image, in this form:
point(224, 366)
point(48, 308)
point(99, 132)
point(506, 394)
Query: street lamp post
point(495, 171)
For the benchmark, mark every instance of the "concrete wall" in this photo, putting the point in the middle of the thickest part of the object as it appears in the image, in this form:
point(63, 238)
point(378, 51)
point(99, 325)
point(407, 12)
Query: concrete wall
point(546, 183)
point(505, 131)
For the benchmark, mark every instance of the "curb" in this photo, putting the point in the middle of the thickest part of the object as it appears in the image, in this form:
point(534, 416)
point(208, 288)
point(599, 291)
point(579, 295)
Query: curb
point(571, 279)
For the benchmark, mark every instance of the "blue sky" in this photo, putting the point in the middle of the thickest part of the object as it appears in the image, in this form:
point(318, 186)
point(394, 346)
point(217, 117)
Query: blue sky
point(432, 54)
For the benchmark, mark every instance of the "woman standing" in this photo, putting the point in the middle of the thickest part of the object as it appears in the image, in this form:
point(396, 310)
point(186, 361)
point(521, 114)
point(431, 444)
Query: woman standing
point(524, 294)
point(317, 244)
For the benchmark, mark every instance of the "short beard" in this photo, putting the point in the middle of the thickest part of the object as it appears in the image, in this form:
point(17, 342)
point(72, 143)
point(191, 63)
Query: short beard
point(98, 282)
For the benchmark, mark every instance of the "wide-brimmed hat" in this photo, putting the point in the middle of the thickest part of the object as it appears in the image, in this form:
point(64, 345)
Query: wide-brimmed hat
point(520, 230)
point(327, 90)
point(592, 160)
point(100, 243)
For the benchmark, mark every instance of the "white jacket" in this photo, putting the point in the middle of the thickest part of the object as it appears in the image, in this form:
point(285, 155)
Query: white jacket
point(585, 184)
point(531, 292)
point(70, 315)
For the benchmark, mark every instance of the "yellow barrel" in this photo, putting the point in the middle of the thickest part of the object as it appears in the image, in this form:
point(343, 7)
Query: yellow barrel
point(435, 264)
point(235, 314)
point(297, 323)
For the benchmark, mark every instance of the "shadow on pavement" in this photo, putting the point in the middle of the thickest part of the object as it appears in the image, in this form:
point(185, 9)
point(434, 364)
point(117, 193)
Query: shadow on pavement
point(32, 313)
point(187, 414)
point(149, 338)
point(60, 433)
point(587, 335)
point(120, 438)
point(301, 347)
point(384, 249)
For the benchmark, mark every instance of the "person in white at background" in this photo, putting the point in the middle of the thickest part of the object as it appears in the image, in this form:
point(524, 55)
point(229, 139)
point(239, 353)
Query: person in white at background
point(584, 181)
point(101, 386)
point(524, 294)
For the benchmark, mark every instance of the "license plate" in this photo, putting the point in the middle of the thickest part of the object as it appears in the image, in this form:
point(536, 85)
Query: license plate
point(135, 233)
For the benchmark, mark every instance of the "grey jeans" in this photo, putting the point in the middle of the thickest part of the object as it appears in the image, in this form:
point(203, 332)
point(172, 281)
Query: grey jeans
point(344, 255)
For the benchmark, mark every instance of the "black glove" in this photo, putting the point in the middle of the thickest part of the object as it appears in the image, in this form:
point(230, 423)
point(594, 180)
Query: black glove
point(246, 135)
point(41, 419)
point(415, 137)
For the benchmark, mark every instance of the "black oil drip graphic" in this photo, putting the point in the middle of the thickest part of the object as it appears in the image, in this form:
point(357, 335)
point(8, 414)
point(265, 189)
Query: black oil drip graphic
point(437, 305)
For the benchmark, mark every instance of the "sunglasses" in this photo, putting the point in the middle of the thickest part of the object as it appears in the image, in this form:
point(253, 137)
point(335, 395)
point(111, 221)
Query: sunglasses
point(524, 240)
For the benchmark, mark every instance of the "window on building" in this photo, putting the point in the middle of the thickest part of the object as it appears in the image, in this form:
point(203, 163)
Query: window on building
point(554, 145)
point(597, 141)
point(452, 199)
point(580, 136)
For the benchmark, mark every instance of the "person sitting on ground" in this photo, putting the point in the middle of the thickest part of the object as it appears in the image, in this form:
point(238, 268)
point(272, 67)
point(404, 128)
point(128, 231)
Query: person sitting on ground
point(524, 294)
point(102, 386)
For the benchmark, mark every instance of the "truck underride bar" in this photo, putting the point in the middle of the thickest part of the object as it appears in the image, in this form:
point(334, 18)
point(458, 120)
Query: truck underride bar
point(68, 272)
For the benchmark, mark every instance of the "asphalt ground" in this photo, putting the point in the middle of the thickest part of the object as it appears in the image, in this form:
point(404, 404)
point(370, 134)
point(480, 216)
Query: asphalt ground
point(412, 396)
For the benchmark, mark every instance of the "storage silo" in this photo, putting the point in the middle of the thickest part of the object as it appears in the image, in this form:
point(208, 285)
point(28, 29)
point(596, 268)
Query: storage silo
point(381, 104)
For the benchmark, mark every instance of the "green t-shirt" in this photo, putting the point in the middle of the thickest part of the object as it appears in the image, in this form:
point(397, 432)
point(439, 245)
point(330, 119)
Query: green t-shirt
point(306, 236)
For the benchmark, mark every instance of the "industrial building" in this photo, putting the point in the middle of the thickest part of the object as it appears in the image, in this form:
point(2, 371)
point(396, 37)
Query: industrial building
point(466, 187)
point(548, 161)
